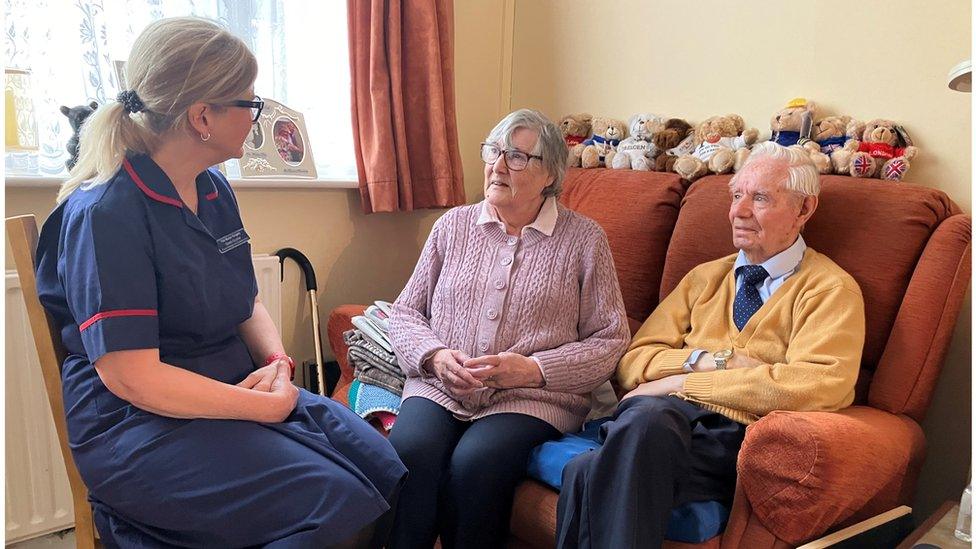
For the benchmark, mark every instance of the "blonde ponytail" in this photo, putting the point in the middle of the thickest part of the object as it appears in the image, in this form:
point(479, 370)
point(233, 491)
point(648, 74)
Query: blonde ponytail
point(174, 63)
point(106, 137)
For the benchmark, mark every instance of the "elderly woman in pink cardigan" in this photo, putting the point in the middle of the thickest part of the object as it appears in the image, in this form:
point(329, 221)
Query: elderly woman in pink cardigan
point(512, 317)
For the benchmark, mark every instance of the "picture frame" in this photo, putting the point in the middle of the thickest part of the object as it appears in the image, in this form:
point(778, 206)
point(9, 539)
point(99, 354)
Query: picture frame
point(278, 146)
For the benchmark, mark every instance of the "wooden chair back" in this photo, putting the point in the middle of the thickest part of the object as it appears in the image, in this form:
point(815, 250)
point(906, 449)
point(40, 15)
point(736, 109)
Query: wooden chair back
point(22, 234)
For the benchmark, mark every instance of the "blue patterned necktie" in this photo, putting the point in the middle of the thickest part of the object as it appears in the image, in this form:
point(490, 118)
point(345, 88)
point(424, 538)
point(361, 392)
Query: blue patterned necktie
point(747, 299)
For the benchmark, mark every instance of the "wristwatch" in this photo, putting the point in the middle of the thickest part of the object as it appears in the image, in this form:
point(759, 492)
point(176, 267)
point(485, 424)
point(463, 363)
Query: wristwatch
point(721, 358)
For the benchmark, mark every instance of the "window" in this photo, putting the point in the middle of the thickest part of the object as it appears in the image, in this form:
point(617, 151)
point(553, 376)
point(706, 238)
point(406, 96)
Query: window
point(71, 48)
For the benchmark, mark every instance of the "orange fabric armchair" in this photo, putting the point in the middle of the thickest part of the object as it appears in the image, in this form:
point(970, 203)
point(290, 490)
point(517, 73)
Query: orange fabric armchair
point(801, 474)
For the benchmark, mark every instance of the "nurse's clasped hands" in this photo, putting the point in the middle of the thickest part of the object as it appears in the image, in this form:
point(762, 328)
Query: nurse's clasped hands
point(283, 393)
point(262, 378)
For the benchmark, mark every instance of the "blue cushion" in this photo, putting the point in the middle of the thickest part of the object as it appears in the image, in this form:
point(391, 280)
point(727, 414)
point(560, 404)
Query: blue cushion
point(693, 522)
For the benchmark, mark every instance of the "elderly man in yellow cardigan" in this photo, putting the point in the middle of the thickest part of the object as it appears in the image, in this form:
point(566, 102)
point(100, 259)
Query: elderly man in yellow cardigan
point(777, 326)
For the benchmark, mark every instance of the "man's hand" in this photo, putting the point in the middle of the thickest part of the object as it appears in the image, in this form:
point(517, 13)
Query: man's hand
point(446, 365)
point(659, 387)
point(506, 371)
point(706, 362)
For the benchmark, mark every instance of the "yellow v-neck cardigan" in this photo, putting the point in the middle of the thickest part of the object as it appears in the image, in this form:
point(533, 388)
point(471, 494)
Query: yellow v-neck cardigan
point(809, 336)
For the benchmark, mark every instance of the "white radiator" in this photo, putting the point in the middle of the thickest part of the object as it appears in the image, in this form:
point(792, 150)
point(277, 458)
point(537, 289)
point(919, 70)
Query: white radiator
point(38, 499)
point(267, 269)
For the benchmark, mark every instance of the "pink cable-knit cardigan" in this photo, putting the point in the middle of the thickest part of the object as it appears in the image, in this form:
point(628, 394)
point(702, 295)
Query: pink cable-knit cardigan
point(477, 289)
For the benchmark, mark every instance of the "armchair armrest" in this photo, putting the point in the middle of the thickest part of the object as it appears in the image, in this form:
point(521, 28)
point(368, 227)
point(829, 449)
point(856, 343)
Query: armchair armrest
point(340, 320)
point(805, 473)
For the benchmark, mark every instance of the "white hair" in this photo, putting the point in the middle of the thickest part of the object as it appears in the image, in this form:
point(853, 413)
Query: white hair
point(802, 175)
point(550, 146)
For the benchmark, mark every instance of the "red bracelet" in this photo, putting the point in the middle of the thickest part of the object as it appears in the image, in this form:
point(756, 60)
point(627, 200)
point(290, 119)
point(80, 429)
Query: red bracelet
point(278, 356)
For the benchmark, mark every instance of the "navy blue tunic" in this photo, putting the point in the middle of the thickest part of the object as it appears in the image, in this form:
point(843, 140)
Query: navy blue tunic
point(125, 265)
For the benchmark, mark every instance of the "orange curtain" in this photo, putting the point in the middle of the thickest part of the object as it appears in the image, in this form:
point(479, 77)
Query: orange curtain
point(401, 54)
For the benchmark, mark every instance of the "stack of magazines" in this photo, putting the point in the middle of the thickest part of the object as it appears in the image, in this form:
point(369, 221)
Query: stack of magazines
point(379, 379)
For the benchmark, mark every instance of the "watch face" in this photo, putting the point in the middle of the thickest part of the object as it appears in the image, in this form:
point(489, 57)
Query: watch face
point(724, 354)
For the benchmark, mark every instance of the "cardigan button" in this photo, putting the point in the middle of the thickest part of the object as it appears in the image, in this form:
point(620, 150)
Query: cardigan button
point(492, 314)
point(483, 346)
point(506, 261)
point(499, 284)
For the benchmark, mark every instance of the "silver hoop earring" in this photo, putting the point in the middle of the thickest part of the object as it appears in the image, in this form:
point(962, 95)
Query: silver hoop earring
point(204, 137)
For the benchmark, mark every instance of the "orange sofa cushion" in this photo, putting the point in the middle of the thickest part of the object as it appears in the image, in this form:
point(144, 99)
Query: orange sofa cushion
point(638, 211)
point(801, 477)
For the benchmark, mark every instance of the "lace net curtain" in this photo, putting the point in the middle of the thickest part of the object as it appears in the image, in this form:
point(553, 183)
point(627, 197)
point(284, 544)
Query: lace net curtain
point(71, 49)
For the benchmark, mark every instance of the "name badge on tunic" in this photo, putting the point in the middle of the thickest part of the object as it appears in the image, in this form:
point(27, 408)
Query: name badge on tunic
point(228, 242)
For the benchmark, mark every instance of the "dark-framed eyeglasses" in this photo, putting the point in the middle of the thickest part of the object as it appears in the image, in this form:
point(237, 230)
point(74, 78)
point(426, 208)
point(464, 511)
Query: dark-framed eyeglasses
point(256, 106)
point(515, 159)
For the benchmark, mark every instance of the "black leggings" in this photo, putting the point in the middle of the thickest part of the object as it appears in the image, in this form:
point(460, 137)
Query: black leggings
point(462, 475)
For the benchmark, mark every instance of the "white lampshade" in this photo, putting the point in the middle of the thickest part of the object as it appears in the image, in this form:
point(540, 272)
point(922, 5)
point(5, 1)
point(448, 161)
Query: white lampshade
point(961, 77)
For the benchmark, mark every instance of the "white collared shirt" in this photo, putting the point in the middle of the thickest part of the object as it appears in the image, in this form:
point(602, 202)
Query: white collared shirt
point(545, 222)
point(780, 267)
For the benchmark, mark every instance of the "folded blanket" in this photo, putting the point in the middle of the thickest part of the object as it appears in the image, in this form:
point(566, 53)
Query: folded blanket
point(372, 402)
point(355, 338)
point(381, 378)
point(372, 363)
point(366, 359)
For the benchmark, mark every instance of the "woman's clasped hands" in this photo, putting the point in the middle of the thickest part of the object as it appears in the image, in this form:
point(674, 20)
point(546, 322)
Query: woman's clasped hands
point(463, 375)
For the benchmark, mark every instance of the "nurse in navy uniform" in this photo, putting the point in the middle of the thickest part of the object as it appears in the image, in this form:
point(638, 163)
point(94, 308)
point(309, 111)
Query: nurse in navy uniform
point(181, 414)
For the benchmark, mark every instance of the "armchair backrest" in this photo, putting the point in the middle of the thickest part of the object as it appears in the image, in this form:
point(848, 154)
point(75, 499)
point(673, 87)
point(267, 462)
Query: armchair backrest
point(907, 246)
point(638, 211)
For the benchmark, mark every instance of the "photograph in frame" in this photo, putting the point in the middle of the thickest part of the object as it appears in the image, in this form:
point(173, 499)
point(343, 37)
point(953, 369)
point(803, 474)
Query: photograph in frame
point(277, 146)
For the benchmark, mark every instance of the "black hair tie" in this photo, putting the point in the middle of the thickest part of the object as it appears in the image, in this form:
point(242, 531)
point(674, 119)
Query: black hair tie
point(130, 100)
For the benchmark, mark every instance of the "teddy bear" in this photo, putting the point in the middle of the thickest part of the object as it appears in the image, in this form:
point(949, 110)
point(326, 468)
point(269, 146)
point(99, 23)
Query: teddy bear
point(828, 137)
point(790, 126)
point(576, 129)
point(721, 143)
point(76, 117)
point(607, 133)
point(676, 139)
point(884, 151)
point(637, 152)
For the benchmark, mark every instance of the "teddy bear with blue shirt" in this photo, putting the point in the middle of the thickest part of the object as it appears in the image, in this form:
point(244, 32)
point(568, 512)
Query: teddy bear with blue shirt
point(607, 134)
point(827, 140)
point(790, 126)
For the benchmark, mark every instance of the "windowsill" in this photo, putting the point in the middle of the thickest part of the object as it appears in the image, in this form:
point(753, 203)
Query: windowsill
point(40, 182)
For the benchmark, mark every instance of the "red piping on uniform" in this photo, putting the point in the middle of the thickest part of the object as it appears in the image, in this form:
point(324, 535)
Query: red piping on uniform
point(149, 192)
point(119, 312)
point(212, 196)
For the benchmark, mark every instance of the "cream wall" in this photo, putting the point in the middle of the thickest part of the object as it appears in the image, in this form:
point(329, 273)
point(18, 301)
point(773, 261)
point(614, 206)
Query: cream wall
point(695, 60)
point(881, 58)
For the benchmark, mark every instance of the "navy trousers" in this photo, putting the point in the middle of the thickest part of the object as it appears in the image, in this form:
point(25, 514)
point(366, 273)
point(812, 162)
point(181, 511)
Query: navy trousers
point(461, 475)
point(657, 453)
